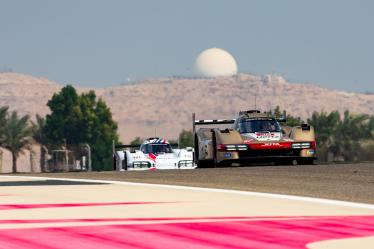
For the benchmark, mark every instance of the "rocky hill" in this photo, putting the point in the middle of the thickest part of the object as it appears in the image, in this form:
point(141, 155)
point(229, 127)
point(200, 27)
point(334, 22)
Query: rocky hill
point(163, 106)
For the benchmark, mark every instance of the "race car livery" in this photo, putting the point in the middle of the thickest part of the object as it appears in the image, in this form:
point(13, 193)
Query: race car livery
point(254, 137)
point(153, 153)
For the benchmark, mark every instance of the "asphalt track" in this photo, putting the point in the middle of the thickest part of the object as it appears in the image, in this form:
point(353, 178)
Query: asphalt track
point(63, 213)
point(348, 182)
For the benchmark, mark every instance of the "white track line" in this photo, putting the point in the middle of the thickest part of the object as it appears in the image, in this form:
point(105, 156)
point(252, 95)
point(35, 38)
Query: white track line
point(216, 190)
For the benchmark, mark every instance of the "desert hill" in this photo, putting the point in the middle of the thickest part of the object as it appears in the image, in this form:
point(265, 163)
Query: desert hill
point(164, 105)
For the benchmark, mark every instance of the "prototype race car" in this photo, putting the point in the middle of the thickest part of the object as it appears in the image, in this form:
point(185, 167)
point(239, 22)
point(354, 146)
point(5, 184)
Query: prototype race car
point(153, 153)
point(254, 137)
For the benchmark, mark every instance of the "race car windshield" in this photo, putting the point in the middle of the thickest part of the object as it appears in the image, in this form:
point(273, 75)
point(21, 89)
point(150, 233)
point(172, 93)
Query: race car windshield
point(156, 148)
point(252, 126)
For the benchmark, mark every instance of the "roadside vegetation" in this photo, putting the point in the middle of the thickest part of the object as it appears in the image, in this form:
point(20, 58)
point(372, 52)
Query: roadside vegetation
point(15, 133)
point(81, 119)
point(77, 119)
point(74, 120)
point(340, 136)
point(344, 137)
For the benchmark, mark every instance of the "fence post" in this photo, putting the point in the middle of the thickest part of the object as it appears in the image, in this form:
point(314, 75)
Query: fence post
point(1, 161)
point(194, 159)
point(89, 156)
point(114, 159)
point(66, 159)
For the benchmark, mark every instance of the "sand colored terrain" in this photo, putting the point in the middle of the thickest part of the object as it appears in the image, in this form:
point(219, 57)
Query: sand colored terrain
point(164, 105)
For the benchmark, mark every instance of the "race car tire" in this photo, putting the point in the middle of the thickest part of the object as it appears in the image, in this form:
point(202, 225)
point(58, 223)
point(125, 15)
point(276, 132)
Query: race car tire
point(281, 162)
point(205, 163)
point(214, 144)
point(306, 161)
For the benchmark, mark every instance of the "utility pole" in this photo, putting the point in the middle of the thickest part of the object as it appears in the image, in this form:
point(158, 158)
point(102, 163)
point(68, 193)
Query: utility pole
point(256, 102)
point(193, 139)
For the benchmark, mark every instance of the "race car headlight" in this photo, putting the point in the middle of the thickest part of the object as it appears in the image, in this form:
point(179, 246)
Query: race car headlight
point(231, 147)
point(304, 145)
point(185, 163)
point(141, 164)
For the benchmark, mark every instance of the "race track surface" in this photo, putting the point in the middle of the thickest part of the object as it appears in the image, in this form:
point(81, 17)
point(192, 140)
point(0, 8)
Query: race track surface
point(349, 182)
point(58, 212)
point(40, 213)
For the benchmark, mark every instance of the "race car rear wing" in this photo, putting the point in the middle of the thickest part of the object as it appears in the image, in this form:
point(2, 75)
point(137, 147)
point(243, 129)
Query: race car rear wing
point(214, 121)
point(196, 122)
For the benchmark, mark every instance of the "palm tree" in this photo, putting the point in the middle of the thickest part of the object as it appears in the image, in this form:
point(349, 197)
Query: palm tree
point(325, 127)
point(348, 135)
point(38, 130)
point(3, 113)
point(38, 134)
point(16, 136)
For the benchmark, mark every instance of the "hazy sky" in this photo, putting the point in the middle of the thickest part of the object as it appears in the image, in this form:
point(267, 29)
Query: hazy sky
point(102, 43)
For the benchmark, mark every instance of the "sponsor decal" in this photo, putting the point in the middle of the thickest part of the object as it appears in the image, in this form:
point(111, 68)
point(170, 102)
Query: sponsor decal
point(227, 155)
point(266, 146)
point(271, 144)
point(248, 141)
point(152, 157)
point(310, 152)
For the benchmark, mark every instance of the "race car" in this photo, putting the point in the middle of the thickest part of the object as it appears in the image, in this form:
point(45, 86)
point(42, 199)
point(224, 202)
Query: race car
point(254, 137)
point(153, 153)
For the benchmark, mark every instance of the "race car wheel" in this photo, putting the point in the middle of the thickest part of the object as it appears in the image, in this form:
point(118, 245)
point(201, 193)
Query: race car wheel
point(295, 162)
point(214, 144)
point(196, 151)
point(282, 162)
point(306, 161)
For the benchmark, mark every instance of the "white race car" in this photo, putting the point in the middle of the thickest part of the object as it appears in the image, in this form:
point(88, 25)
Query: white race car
point(153, 153)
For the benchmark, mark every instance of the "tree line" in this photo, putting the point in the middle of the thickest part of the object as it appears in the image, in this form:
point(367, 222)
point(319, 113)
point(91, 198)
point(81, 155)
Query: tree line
point(344, 136)
point(74, 120)
point(340, 136)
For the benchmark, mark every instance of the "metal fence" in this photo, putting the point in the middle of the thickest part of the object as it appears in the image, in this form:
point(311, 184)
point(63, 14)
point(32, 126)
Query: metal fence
point(65, 159)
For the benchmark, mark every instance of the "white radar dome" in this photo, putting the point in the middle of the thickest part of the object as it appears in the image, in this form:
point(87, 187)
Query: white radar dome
point(215, 62)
